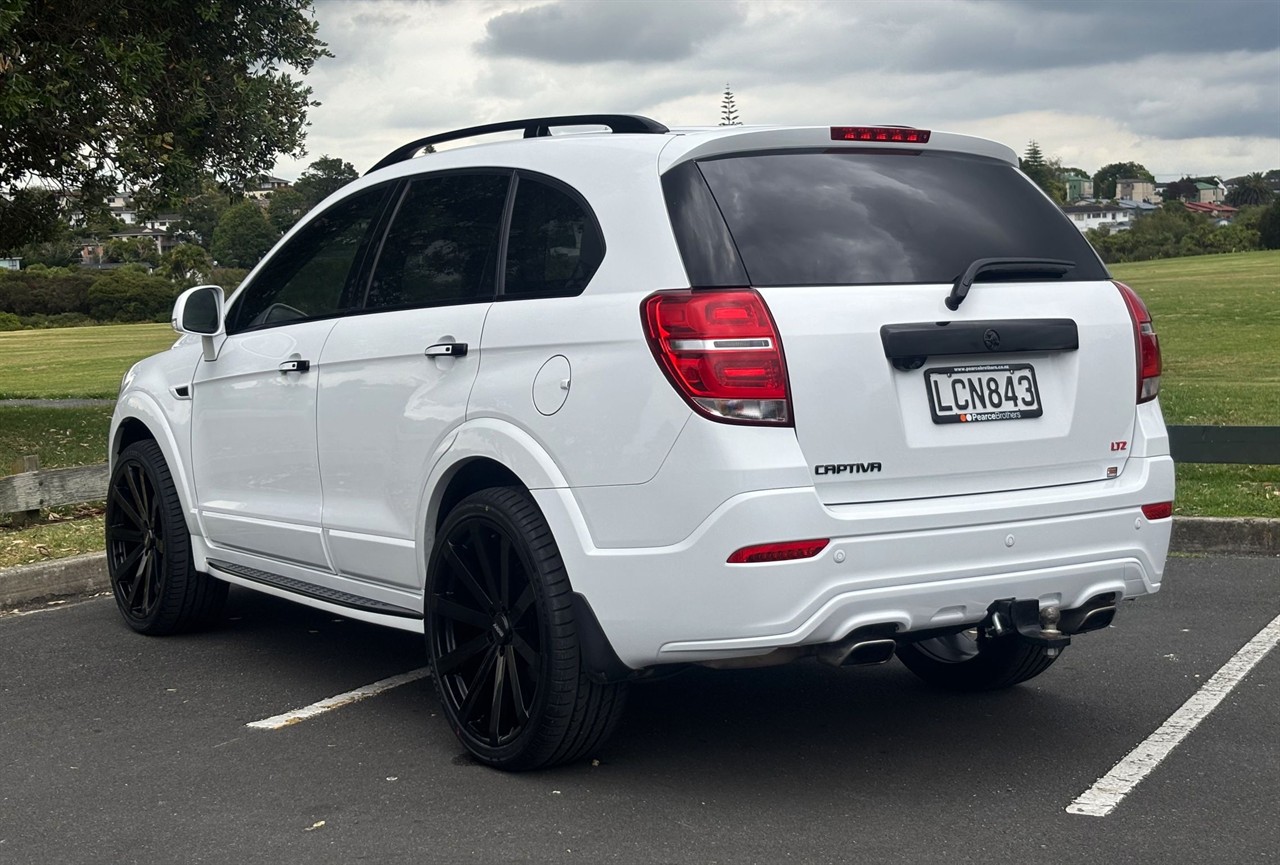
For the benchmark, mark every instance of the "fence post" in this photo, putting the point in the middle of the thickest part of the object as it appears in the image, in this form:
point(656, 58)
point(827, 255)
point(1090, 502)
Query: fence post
point(20, 519)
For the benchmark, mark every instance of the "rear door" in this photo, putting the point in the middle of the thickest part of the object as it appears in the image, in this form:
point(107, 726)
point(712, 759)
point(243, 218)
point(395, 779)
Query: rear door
point(398, 375)
point(1029, 382)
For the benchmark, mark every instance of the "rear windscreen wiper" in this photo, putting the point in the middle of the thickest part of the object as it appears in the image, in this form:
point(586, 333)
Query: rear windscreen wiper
point(1028, 266)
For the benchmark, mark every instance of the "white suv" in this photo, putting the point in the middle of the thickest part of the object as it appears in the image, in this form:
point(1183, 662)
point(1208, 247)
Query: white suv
point(583, 407)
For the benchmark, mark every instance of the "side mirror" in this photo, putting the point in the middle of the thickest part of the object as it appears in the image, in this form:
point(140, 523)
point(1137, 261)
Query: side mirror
point(199, 311)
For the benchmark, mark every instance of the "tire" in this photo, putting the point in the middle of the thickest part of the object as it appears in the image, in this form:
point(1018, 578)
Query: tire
point(153, 577)
point(972, 661)
point(502, 640)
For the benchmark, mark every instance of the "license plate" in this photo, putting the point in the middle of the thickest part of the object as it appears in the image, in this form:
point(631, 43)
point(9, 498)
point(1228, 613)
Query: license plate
point(974, 394)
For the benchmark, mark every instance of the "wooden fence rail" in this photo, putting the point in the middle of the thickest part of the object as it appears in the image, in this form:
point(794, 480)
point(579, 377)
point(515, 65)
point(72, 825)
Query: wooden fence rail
point(29, 491)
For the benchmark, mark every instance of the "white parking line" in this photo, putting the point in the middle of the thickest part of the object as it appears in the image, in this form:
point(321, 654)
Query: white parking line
point(275, 722)
point(1103, 797)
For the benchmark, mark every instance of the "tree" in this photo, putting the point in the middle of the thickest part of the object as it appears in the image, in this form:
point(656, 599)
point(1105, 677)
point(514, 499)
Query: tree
point(185, 264)
point(131, 249)
point(242, 236)
point(729, 109)
point(1269, 226)
point(284, 207)
point(151, 94)
point(322, 178)
point(1104, 182)
point(1250, 189)
point(1184, 189)
point(201, 211)
point(1044, 172)
point(29, 215)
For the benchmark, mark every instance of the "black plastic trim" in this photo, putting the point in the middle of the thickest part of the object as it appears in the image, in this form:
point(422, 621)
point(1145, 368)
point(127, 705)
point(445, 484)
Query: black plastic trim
point(534, 127)
point(707, 248)
point(919, 340)
point(599, 660)
point(310, 590)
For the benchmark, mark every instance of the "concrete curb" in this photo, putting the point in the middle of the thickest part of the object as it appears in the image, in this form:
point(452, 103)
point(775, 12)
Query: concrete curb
point(1238, 535)
point(86, 575)
point(60, 578)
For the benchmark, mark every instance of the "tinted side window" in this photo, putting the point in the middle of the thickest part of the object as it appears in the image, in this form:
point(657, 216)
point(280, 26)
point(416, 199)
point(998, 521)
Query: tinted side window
point(857, 217)
point(442, 246)
point(554, 247)
point(314, 274)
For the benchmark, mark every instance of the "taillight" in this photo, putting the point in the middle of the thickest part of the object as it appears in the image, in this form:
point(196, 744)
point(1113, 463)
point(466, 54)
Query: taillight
point(720, 349)
point(899, 134)
point(1146, 343)
point(785, 551)
point(1158, 511)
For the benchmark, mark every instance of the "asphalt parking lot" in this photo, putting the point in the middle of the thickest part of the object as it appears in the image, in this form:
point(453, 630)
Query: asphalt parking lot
point(119, 748)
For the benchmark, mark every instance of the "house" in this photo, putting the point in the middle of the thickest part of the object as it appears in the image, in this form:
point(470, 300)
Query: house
point(163, 241)
point(1078, 186)
point(1222, 213)
point(1136, 189)
point(1096, 214)
point(1211, 193)
point(10, 263)
point(264, 187)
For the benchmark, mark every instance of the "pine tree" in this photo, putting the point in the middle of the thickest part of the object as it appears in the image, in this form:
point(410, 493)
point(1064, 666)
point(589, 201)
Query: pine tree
point(729, 109)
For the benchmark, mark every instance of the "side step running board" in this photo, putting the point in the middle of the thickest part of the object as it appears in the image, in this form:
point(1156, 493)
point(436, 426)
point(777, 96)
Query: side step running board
point(310, 590)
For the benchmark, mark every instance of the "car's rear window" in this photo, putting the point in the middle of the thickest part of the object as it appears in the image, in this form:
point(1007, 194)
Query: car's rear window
point(859, 217)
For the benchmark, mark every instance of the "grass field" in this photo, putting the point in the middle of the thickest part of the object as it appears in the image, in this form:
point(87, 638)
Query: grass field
point(1218, 318)
point(75, 361)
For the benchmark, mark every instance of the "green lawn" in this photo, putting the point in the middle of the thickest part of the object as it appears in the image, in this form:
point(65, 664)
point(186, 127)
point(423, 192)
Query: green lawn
point(75, 361)
point(1218, 318)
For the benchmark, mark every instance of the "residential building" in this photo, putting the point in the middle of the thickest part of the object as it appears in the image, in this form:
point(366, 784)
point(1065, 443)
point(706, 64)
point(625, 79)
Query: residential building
point(1136, 189)
point(1096, 214)
point(1078, 186)
point(264, 187)
point(1222, 213)
point(1211, 193)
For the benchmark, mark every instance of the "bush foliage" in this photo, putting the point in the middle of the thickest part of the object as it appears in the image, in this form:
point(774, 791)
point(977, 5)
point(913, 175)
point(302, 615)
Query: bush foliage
point(1175, 232)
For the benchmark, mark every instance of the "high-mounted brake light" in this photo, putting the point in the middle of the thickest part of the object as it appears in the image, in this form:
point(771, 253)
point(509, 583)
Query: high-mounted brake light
point(785, 551)
point(893, 134)
point(720, 349)
point(1146, 343)
point(1158, 511)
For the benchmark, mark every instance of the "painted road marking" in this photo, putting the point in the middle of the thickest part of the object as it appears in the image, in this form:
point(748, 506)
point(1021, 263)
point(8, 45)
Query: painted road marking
point(275, 722)
point(1103, 797)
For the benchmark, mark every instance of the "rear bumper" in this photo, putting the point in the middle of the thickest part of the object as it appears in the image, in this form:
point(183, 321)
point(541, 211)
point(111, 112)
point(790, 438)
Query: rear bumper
point(917, 565)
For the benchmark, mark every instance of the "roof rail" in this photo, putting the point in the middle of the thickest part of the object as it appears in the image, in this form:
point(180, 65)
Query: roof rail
point(534, 127)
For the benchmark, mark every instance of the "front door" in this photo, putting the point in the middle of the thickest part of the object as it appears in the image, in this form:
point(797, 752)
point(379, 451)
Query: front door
point(256, 466)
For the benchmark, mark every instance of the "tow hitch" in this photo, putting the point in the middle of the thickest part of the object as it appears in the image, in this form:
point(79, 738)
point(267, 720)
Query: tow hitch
point(1024, 620)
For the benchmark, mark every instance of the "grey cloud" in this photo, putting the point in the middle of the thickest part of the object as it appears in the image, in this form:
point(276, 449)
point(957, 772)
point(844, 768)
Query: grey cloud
point(1011, 35)
point(621, 30)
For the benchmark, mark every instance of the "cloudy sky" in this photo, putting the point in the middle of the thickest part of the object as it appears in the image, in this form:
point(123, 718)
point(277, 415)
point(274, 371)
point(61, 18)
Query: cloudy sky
point(1182, 87)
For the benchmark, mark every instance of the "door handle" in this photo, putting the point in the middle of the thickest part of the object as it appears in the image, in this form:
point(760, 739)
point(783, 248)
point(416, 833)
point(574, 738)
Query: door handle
point(295, 366)
point(446, 349)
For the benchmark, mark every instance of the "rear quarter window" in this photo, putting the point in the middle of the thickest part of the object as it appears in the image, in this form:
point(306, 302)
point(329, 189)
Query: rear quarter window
point(859, 217)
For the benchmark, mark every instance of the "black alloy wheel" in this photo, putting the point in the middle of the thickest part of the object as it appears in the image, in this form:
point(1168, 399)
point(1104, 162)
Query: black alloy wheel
point(502, 640)
point(487, 639)
point(153, 577)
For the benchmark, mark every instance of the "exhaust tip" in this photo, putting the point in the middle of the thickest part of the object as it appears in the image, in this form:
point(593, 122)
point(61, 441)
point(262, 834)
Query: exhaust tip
point(869, 652)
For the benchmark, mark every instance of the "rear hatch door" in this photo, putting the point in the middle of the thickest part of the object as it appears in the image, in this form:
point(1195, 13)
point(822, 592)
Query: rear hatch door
point(1029, 382)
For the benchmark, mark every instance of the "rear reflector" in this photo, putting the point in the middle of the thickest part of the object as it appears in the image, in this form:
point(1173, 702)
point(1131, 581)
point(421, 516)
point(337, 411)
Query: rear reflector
point(779, 552)
point(898, 134)
point(1158, 511)
point(721, 351)
point(1146, 343)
